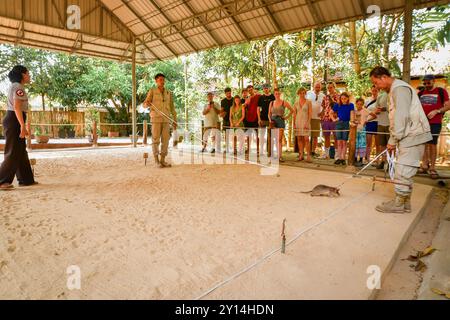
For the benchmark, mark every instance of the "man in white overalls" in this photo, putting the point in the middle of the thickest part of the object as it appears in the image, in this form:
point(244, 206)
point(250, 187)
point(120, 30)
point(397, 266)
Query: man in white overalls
point(409, 132)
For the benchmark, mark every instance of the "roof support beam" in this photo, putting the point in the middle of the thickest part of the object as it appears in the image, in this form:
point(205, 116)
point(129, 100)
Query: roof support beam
point(363, 8)
point(236, 24)
point(167, 18)
point(21, 31)
point(50, 46)
point(221, 12)
point(148, 27)
point(114, 17)
point(60, 18)
point(125, 53)
point(271, 17)
point(314, 12)
point(59, 39)
point(216, 40)
point(78, 44)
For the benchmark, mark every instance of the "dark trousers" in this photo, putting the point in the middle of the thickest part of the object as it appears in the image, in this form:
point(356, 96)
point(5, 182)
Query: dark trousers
point(16, 162)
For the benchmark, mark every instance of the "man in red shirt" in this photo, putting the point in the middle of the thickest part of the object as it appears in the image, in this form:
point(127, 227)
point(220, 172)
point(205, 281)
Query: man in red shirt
point(435, 103)
point(251, 104)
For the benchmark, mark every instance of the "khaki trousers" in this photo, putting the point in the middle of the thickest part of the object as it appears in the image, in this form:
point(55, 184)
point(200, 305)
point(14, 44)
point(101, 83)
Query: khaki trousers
point(406, 166)
point(160, 135)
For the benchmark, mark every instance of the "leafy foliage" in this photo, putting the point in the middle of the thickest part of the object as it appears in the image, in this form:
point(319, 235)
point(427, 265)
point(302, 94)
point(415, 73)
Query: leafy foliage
point(345, 52)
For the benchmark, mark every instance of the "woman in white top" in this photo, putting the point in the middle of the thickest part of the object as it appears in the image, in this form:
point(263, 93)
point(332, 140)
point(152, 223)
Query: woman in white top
point(302, 124)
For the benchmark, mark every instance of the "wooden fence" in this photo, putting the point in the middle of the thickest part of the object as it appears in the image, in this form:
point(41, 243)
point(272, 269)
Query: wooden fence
point(51, 122)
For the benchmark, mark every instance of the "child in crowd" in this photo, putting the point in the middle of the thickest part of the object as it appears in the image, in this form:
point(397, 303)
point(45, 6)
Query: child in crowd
point(360, 120)
point(343, 110)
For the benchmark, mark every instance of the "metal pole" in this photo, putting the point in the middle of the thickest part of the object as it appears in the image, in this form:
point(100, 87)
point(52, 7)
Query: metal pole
point(134, 93)
point(407, 41)
point(186, 114)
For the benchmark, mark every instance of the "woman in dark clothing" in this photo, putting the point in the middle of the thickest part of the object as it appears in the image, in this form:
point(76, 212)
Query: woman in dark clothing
point(16, 162)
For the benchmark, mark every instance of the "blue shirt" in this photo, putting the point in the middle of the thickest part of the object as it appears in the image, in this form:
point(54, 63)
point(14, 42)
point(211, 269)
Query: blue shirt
point(343, 111)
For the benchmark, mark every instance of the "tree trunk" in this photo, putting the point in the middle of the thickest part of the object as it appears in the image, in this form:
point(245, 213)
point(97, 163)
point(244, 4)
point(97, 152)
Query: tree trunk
point(388, 32)
point(379, 53)
point(313, 56)
point(273, 65)
point(264, 63)
point(43, 101)
point(355, 50)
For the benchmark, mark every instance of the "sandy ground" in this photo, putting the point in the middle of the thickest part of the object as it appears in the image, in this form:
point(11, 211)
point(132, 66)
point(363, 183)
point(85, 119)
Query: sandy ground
point(141, 232)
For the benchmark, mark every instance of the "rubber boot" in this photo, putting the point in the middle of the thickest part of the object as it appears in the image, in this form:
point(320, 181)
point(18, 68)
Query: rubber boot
point(394, 206)
point(164, 164)
point(408, 203)
point(157, 162)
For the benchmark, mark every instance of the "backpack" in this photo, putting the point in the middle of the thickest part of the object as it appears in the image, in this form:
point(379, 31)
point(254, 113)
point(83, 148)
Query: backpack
point(441, 94)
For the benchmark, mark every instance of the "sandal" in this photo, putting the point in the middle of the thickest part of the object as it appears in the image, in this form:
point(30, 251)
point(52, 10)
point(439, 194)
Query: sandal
point(422, 170)
point(433, 174)
point(6, 186)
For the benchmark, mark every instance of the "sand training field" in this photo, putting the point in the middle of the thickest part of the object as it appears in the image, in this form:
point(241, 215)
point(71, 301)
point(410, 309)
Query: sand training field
point(139, 232)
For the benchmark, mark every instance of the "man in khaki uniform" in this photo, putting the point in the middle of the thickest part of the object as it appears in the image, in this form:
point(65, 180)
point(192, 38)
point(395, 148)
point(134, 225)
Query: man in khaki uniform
point(409, 131)
point(162, 112)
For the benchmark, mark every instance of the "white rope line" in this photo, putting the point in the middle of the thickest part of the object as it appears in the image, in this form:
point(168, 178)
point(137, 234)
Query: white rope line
point(271, 253)
point(364, 168)
point(327, 218)
point(117, 124)
point(202, 141)
point(57, 124)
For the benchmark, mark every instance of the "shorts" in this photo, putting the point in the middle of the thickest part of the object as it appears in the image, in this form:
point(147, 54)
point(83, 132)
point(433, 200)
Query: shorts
point(279, 122)
point(342, 135)
point(328, 128)
point(372, 127)
point(436, 129)
point(225, 126)
point(383, 138)
point(315, 128)
point(249, 124)
point(264, 123)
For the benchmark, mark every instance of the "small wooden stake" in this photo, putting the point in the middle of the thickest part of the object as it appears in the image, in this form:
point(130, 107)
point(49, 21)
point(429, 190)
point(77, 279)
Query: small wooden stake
point(374, 179)
point(145, 158)
point(283, 237)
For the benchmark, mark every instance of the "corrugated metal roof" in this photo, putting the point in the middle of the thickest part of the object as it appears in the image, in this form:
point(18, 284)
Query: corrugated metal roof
point(164, 29)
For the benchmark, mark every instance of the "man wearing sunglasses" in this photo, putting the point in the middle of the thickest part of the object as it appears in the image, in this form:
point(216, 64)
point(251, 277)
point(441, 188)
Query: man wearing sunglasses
point(435, 103)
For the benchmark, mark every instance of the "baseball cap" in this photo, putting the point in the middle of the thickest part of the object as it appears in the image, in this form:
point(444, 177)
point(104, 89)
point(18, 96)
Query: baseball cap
point(429, 77)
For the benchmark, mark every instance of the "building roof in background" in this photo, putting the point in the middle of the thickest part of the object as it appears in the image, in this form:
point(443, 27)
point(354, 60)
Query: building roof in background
point(165, 29)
